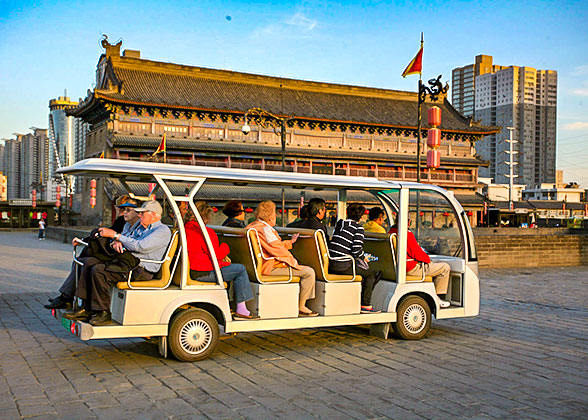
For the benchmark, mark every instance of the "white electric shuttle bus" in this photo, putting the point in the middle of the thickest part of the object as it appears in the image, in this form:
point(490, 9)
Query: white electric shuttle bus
point(187, 315)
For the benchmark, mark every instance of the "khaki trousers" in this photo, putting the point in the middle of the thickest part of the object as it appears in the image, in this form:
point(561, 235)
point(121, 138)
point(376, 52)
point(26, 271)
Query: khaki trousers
point(307, 280)
point(439, 272)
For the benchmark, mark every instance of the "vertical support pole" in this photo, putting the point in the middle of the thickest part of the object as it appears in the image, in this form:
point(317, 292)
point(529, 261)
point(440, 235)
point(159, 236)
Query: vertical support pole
point(419, 133)
point(402, 236)
point(283, 139)
point(342, 204)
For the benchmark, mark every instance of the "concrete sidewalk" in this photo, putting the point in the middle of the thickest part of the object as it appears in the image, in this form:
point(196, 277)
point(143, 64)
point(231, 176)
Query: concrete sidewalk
point(525, 356)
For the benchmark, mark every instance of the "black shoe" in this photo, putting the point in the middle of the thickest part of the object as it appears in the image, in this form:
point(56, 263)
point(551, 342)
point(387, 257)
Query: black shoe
point(60, 302)
point(101, 318)
point(81, 314)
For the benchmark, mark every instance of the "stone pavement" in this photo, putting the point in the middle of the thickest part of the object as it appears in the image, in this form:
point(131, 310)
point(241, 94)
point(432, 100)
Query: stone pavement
point(525, 356)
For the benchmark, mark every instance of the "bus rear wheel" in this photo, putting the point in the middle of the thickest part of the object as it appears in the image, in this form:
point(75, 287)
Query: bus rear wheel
point(413, 318)
point(193, 335)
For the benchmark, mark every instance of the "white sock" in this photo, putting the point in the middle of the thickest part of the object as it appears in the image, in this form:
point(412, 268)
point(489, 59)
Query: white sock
point(242, 309)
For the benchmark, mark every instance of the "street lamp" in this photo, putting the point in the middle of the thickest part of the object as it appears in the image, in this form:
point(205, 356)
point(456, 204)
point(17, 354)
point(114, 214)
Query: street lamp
point(264, 119)
point(433, 92)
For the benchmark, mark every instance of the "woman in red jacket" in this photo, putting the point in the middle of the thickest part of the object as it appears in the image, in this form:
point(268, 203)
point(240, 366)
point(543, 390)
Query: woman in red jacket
point(201, 267)
point(418, 260)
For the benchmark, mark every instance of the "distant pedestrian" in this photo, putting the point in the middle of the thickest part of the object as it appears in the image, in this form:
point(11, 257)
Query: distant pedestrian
point(41, 230)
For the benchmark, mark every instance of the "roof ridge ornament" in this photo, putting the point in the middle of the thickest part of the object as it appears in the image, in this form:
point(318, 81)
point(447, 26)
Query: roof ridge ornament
point(111, 49)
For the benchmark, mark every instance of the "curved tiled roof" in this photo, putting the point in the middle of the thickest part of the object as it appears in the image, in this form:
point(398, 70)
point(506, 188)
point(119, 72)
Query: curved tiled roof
point(147, 83)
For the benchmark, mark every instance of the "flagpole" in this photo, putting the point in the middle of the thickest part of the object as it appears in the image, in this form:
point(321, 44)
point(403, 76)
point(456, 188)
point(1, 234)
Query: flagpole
point(419, 121)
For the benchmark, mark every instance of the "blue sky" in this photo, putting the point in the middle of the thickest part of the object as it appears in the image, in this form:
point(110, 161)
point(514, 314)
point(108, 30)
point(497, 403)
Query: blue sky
point(49, 46)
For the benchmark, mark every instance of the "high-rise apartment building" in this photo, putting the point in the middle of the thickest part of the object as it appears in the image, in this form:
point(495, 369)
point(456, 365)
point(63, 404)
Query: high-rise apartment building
point(33, 163)
point(511, 96)
point(24, 163)
point(11, 163)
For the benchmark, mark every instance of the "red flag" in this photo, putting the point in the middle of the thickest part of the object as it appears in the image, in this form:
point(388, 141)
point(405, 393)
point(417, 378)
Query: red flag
point(416, 65)
point(162, 146)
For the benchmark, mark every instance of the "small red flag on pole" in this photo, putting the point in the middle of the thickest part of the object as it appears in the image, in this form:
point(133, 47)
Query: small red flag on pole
point(162, 147)
point(416, 65)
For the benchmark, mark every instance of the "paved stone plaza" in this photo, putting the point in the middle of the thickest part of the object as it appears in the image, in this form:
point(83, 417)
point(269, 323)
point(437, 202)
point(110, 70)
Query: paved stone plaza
point(525, 356)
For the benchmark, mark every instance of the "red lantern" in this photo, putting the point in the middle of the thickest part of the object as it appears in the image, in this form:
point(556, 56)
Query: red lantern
point(34, 194)
point(434, 116)
point(248, 210)
point(92, 193)
point(470, 213)
point(434, 137)
point(366, 211)
point(422, 213)
point(433, 158)
point(446, 213)
point(214, 209)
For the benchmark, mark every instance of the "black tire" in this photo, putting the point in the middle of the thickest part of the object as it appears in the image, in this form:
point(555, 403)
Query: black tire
point(413, 318)
point(193, 335)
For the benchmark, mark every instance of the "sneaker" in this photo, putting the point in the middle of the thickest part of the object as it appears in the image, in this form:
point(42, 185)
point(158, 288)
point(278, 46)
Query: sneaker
point(369, 310)
point(444, 304)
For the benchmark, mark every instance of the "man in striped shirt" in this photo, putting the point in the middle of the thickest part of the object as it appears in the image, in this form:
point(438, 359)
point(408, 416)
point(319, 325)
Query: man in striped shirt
point(346, 248)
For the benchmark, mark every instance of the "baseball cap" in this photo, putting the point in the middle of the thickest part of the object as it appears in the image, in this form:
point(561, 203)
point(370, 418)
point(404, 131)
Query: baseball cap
point(153, 206)
point(127, 204)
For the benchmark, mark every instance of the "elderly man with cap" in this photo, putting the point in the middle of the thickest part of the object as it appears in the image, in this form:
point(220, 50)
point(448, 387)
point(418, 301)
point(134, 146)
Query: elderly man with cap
point(126, 222)
point(148, 241)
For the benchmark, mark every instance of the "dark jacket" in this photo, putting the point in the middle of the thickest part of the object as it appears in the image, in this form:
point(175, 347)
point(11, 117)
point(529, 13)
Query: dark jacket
point(314, 223)
point(99, 248)
point(232, 222)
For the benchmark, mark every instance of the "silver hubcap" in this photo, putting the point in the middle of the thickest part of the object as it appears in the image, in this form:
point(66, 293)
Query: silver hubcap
point(415, 319)
point(195, 336)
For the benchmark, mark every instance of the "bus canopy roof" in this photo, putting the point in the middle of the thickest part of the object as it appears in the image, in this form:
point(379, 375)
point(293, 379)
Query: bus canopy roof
point(145, 170)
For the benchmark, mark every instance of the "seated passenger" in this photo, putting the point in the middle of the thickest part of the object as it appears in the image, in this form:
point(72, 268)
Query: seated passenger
point(236, 214)
point(125, 210)
point(148, 241)
point(348, 240)
point(376, 217)
point(418, 260)
point(317, 208)
point(201, 267)
point(303, 216)
point(280, 257)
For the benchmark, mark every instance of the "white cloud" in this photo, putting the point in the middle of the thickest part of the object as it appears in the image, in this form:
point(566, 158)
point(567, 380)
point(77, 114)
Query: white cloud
point(581, 70)
point(580, 92)
point(578, 125)
point(295, 27)
point(302, 22)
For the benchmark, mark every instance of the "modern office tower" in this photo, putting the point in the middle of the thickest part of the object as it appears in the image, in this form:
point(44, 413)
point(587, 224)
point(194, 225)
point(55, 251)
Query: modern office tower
point(11, 167)
point(67, 135)
point(511, 96)
point(33, 163)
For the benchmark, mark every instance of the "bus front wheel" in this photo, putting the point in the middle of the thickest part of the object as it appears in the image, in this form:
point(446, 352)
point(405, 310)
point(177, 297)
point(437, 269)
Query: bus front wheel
point(413, 318)
point(193, 335)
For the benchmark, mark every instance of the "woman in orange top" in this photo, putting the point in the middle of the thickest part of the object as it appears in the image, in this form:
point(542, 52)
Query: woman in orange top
point(281, 258)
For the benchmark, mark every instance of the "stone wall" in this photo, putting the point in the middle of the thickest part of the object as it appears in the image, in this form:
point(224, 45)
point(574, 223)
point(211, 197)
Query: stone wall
point(531, 250)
